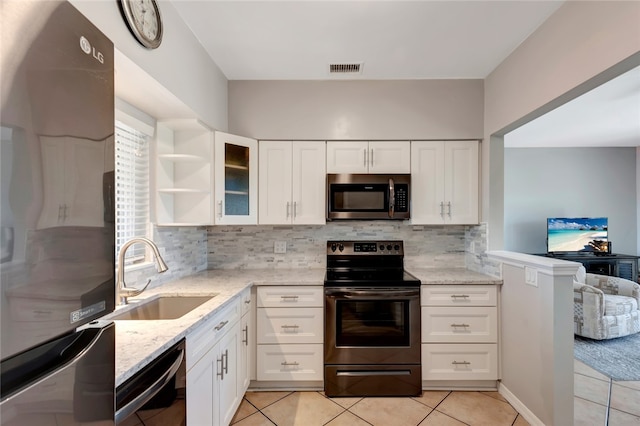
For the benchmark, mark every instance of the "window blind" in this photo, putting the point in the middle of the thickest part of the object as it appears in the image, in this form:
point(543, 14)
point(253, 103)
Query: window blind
point(132, 189)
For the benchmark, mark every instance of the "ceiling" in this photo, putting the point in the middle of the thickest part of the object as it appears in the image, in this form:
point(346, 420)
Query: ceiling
point(297, 40)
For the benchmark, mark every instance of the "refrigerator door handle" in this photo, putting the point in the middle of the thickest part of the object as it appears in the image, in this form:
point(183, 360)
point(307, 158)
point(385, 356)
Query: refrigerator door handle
point(18, 377)
point(135, 404)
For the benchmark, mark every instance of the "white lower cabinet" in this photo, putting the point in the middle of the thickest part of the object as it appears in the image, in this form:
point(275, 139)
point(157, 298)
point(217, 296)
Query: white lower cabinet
point(290, 327)
point(459, 333)
point(214, 391)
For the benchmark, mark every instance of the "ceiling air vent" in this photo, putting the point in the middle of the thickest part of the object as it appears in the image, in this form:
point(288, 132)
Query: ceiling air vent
point(355, 68)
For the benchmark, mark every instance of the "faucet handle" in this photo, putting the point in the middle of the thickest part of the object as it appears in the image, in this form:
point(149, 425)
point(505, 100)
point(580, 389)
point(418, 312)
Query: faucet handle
point(132, 292)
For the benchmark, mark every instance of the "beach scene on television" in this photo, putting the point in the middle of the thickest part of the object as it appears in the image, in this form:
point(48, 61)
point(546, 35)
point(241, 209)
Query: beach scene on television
point(587, 234)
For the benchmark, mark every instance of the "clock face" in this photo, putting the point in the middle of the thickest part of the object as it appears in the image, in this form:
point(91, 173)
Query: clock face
point(143, 19)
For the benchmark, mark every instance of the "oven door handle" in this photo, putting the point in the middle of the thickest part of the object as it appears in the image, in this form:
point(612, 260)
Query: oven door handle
point(371, 294)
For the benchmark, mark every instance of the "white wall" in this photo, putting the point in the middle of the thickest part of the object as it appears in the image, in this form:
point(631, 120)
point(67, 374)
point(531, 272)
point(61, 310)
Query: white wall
point(569, 182)
point(408, 109)
point(579, 47)
point(536, 332)
point(180, 64)
point(638, 198)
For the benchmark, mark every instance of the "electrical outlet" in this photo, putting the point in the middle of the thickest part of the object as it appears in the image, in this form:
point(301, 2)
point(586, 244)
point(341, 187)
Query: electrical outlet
point(279, 247)
point(531, 276)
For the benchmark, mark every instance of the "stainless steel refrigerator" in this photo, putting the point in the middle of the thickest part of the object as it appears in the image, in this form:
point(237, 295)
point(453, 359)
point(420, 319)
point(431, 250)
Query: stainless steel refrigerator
point(56, 217)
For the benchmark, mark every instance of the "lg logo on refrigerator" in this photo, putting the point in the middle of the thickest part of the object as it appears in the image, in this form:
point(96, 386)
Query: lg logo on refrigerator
point(90, 50)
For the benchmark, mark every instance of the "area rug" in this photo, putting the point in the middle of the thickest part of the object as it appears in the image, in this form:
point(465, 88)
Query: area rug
point(618, 358)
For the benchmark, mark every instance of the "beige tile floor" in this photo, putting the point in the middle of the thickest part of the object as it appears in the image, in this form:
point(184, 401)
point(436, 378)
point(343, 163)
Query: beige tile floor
point(598, 401)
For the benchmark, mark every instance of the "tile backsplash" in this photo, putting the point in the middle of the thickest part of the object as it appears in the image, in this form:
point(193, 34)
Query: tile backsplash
point(188, 250)
point(251, 247)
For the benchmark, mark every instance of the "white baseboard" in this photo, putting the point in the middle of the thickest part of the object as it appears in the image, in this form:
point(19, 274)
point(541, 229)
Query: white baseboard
point(519, 406)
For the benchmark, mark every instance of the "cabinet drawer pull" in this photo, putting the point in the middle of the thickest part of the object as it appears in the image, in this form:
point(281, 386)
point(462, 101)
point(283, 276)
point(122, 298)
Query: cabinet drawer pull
point(289, 364)
point(459, 325)
point(221, 325)
point(459, 296)
point(247, 301)
point(289, 297)
point(460, 363)
point(286, 327)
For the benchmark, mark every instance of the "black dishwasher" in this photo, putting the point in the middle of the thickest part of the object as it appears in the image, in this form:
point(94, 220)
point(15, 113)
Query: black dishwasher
point(157, 392)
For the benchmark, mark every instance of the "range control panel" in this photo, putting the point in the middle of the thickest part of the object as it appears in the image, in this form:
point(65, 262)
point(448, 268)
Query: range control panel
point(388, 247)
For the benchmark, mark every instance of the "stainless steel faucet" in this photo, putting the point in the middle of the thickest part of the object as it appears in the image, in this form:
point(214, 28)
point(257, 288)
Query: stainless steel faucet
point(124, 292)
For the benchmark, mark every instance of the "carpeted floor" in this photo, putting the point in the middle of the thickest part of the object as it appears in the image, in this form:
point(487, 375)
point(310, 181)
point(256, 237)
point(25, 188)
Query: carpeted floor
point(618, 358)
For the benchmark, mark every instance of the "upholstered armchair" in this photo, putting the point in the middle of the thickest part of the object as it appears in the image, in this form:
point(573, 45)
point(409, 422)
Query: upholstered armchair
point(605, 307)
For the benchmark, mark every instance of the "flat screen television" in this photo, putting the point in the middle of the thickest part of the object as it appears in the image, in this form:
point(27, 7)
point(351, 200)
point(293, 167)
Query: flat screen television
point(577, 235)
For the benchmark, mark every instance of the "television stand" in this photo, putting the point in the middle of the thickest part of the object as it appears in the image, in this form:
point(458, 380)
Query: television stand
point(614, 264)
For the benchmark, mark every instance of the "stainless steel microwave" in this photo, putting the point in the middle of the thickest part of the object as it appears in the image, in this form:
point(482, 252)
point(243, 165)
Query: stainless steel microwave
point(363, 196)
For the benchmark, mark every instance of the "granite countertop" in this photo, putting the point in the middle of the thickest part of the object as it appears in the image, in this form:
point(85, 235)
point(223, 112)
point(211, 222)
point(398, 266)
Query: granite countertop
point(451, 276)
point(139, 342)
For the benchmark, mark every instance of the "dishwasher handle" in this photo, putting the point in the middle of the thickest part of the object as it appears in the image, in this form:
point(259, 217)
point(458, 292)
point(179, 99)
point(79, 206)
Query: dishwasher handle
point(141, 399)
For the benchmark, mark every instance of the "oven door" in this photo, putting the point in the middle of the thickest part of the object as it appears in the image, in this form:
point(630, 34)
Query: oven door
point(372, 326)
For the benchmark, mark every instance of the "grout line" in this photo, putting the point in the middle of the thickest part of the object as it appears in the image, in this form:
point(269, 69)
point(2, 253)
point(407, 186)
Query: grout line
point(606, 413)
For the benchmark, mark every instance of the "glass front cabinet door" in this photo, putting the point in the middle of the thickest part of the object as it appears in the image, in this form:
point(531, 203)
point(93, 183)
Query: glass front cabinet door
point(236, 180)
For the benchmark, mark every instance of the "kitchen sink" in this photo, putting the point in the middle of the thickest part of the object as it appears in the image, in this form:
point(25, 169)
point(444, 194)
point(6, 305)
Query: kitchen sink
point(162, 308)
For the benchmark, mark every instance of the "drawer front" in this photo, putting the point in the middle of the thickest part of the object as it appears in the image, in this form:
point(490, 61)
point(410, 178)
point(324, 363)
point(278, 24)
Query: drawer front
point(289, 362)
point(458, 295)
point(459, 361)
point(245, 301)
point(474, 324)
point(290, 325)
point(207, 335)
point(290, 296)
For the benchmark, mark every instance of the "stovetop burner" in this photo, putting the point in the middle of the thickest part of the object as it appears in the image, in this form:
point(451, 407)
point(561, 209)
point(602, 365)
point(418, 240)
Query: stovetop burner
point(367, 263)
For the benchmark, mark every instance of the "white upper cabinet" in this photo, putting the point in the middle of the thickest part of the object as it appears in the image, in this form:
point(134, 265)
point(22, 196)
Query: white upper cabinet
point(368, 157)
point(236, 180)
point(184, 173)
point(444, 182)
point(292, 182)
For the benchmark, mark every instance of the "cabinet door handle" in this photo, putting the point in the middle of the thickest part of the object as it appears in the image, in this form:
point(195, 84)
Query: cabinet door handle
point(449, 208)
point(442, 209)
point(371, 158)
point(365, 158)
point(226, 362)
point(247, 301)
point(289, 364)
point(221, 361)
point(288, 209)
point(245, 339)
point(460, 363)
point(221, 325)
point(220, 209)
point(289, 297)
point(60, 213)
point(295, 209)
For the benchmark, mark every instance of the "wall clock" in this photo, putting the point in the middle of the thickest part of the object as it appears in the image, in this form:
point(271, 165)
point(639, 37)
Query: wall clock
point(144, 21)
